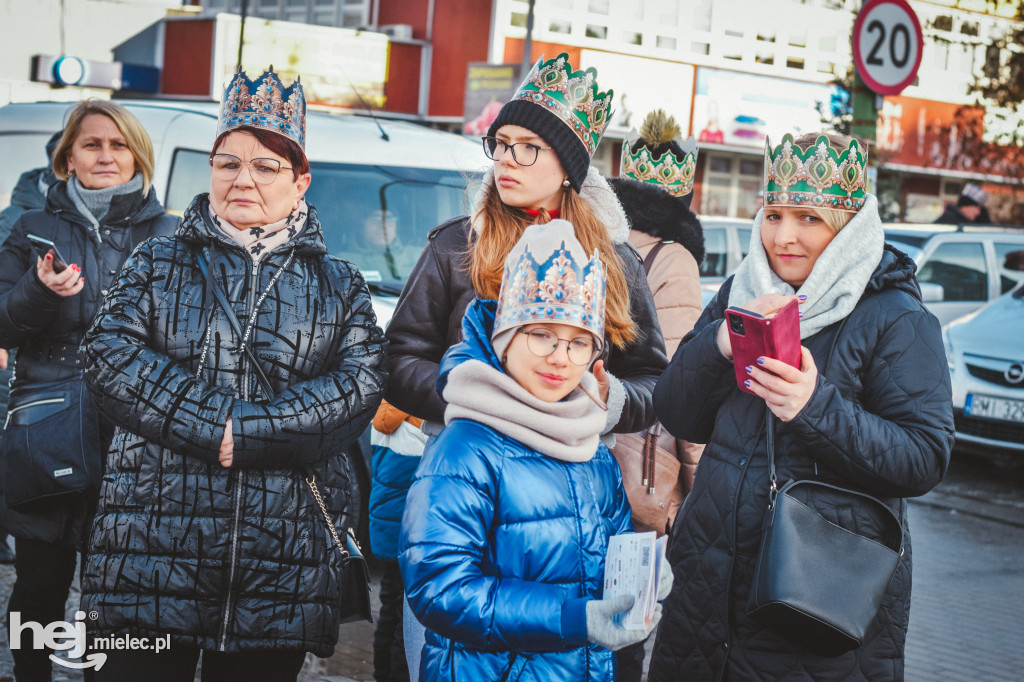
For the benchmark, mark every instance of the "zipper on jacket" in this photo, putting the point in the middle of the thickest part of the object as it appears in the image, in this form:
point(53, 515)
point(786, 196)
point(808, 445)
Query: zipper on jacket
point(239, 483)
point(34, 403)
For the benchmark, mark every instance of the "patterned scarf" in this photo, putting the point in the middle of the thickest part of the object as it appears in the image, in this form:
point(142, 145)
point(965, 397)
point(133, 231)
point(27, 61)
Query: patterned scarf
point(262, 239)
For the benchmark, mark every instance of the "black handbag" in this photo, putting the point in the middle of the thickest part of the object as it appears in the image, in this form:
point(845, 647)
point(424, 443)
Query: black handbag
point(354, 601)
point(51, 446)
point(815, 582)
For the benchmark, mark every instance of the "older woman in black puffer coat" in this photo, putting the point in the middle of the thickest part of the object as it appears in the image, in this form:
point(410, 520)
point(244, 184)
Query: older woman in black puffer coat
point(208, 528)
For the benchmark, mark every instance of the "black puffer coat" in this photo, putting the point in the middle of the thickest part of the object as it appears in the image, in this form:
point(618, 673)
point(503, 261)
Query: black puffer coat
point(47, 328)
point(880, 420)
point(234, 558)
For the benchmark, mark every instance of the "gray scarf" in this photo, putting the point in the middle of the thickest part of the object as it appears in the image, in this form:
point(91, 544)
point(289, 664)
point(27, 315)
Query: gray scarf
point(567, 430)
point(837, 280)
point(94, 204)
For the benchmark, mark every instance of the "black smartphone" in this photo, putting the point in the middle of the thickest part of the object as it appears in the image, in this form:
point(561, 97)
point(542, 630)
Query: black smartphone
point(43, 247)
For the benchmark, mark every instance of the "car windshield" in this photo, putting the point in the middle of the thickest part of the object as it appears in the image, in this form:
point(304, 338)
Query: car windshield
point(378, 217)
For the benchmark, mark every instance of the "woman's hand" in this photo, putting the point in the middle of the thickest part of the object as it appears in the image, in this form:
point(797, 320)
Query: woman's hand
point(765, 306)
point(66, 283)
point(227, 446)
point(604, 384)
point(785, 389)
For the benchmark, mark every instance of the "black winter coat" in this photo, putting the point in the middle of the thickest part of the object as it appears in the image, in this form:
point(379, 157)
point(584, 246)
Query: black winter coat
point(880, 421)
point(237, 558)
point(428, 320)
point(47, 328)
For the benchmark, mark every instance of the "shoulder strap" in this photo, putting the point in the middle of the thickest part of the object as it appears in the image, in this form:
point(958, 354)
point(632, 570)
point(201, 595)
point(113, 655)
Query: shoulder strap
point(649, 260)
point(218, 293)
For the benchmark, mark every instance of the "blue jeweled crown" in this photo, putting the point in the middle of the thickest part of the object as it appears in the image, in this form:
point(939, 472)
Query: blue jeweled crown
point(548, 278)
point(264, 103)
point(818, 177)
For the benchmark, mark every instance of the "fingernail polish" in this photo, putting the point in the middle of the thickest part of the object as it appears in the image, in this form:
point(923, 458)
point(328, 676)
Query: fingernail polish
point(760, 361)
point(801, 314)
point(749, 369)
point(802, 297)
point(747, 383)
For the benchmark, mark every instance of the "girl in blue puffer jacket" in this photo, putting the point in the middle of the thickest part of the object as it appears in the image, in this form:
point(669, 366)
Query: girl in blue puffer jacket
point(508, 519)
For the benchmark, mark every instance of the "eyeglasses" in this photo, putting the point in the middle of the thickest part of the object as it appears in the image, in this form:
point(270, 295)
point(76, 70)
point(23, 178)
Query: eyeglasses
point(542, 342)
point(228, 166)
point(495, 149)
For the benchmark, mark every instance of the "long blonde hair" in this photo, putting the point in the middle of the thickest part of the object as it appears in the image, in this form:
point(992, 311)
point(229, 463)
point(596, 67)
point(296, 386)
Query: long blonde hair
point(134, 134)
point(501, 227)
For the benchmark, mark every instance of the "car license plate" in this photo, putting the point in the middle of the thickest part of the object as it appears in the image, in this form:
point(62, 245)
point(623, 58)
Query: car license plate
point(994, 408)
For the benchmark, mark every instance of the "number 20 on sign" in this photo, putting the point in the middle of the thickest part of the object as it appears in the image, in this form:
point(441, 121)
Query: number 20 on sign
point(887, 44)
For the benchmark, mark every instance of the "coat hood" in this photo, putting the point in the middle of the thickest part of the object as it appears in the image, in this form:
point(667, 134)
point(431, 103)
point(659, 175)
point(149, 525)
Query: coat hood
point(654, 211)
point(476, 341)
point(895, 271)
point(196, 229)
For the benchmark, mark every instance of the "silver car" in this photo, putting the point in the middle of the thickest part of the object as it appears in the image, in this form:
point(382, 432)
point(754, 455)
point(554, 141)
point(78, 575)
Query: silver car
point(985, 353)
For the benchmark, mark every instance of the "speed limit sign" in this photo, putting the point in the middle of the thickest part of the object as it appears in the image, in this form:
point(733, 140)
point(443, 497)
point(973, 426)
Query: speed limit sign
point(887, 45)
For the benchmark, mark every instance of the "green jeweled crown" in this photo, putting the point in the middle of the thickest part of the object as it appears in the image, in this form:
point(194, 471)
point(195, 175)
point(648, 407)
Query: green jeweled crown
point(264, 103)
point(571, 95)
point(672, 171)
point(817, 177)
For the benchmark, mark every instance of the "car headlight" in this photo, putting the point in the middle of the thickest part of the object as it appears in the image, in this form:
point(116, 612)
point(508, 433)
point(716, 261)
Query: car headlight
point(947, 343)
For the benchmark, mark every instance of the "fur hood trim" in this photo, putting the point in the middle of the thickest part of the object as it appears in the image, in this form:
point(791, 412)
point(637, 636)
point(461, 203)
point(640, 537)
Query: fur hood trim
point(654, 211)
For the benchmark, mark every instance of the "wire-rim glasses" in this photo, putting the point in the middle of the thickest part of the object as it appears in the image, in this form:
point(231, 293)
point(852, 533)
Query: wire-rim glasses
point(228, 166)
point(495, 149)
point(542, 342)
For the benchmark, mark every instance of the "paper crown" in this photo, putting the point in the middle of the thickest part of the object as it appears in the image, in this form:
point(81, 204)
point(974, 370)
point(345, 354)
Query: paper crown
point(548, 278)
point(817, 177)
point(264, 103)
point(674, 168)
point(571, 95)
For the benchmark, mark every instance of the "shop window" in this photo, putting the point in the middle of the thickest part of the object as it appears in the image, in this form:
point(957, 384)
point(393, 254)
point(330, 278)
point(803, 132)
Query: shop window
point(560, 27)
point(700, 48)
point(599, 32)
point(666, 43)
point(599, 6)
point(632, 38)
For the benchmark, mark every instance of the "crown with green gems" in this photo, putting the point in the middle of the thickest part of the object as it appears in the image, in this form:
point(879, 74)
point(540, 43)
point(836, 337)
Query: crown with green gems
point(570, 95)
point(818, 177)
point(264, 103)
point(671, 171)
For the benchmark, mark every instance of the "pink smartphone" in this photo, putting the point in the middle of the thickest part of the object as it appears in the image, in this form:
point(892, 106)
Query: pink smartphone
point(753, 336)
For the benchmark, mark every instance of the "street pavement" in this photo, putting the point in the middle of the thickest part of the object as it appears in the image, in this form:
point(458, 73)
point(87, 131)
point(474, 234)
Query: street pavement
point(967, 608)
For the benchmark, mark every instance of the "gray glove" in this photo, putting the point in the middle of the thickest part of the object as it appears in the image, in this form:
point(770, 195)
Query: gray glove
point(602, 629)
point(665, 579)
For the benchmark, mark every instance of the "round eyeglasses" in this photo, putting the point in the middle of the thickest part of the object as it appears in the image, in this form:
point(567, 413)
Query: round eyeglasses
point(495, 148)
point(582, 350)
point(228, 166)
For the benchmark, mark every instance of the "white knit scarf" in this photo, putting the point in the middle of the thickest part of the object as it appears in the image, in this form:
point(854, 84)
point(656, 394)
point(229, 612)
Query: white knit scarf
point(567, 430)
point(837, 280)
point(262, 239)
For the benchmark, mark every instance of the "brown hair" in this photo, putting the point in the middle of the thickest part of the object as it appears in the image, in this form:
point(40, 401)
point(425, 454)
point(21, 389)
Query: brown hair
point(135, 136)
point(279, 144)
point(503, 225)
point(832, 217)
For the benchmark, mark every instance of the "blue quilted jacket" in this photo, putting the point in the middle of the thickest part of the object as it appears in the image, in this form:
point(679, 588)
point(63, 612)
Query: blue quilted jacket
point(502, 547)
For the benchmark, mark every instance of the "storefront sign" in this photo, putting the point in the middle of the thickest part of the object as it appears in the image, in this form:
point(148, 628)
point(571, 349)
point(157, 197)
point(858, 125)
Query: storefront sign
point(488, 87)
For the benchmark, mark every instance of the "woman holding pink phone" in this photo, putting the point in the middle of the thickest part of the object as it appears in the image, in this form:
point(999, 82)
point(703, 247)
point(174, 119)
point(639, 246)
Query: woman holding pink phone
point(868, 408)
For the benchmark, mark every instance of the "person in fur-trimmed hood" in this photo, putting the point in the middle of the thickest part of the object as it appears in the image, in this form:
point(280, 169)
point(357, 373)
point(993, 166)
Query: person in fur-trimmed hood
point(655, 191)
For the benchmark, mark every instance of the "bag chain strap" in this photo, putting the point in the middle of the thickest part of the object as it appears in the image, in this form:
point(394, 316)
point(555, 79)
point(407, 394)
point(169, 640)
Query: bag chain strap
point(311, 482)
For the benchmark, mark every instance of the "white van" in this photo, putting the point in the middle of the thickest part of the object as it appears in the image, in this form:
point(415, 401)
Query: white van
point(359, 165)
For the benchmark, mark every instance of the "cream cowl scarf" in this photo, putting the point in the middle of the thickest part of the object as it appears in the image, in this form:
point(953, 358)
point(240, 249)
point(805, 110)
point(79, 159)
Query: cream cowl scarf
point(262, 239)
point(567, 430)
point(837, 281)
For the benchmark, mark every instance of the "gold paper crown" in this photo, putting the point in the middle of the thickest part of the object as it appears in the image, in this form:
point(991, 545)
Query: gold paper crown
point(671, 171)
point(264, 103)
point(818, 177)
point(571, 95)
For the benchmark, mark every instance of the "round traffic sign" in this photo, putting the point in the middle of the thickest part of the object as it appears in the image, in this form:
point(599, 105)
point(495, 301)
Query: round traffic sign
point(887, 45)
